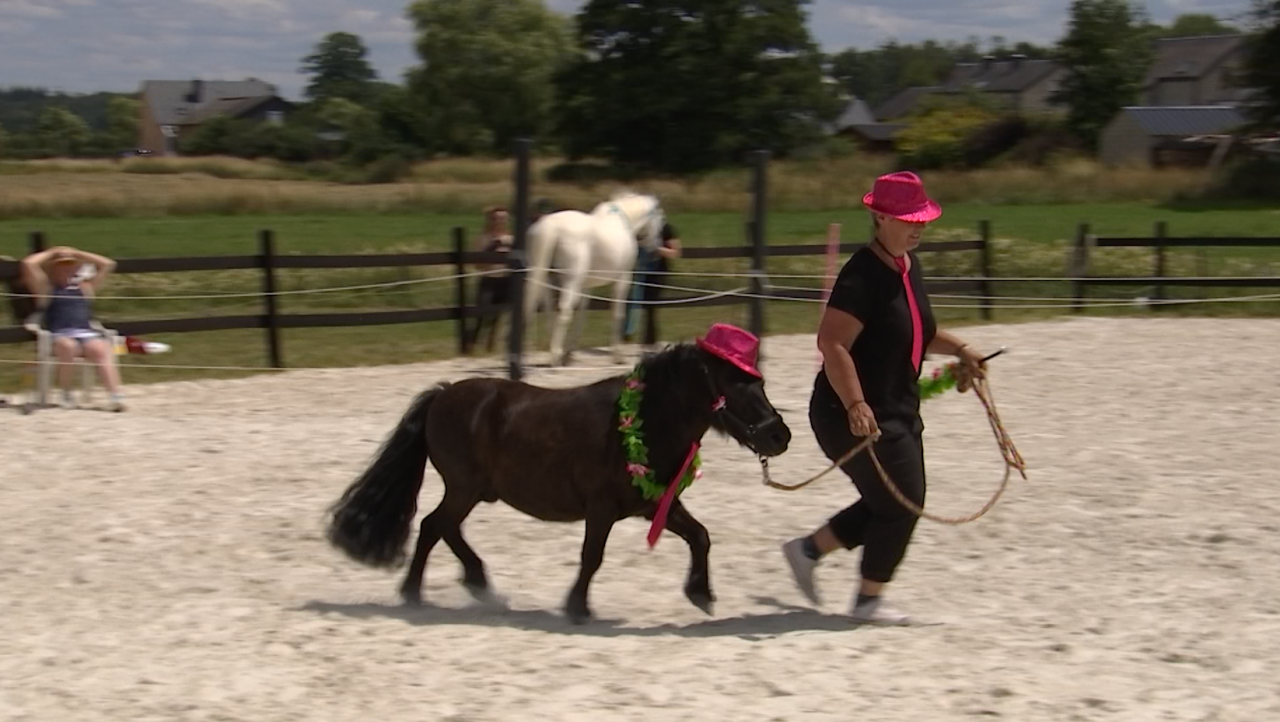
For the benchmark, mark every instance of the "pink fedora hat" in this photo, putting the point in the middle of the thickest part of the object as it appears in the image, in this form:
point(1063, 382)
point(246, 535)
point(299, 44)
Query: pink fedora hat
point(734, 345)
point(902, 196)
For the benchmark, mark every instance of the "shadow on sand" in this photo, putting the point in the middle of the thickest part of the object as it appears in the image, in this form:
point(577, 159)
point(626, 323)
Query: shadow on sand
point(752, 627)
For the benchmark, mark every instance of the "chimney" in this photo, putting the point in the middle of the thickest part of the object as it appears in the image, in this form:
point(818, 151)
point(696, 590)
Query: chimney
point(1017, 59)
point(197, 92)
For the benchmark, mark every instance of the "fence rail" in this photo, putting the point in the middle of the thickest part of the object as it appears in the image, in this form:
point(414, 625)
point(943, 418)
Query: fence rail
point(1159, 243)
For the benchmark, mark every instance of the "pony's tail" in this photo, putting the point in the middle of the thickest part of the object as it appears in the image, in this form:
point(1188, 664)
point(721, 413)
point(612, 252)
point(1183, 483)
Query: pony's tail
point(371, 521)
point(540, 245)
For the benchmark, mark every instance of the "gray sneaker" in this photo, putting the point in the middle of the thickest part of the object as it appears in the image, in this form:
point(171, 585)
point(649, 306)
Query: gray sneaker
point(875, 611)
point(801, 568)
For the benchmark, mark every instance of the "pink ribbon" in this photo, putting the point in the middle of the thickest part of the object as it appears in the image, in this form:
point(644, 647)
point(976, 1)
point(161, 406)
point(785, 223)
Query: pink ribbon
point(664, 506)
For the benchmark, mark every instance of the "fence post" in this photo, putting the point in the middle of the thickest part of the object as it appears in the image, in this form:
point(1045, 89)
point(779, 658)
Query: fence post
point(267, 245)
point(760, 187)
point(460, 270)
point(984, 233)
point(517, 261)
point(1080, 267)
point(37, 241)
point(1162, 230)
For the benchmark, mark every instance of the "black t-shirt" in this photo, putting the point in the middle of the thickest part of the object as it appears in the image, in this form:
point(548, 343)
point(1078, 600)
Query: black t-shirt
point(660, 263)
point(868, 289)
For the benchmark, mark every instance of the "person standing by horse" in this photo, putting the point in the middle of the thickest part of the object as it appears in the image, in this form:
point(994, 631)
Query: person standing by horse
point(877, 325)
point(494, 292)
point(652, 266)
point(53, 277)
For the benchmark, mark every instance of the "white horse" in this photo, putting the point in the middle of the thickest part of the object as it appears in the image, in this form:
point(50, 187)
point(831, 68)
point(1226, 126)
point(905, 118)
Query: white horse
point(589, 250)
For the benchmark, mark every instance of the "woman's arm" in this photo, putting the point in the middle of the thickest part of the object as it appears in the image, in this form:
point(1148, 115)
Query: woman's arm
point(33, 275)
point(671, 249)
point(836, 333)
point(103, 265)
point(945, 342)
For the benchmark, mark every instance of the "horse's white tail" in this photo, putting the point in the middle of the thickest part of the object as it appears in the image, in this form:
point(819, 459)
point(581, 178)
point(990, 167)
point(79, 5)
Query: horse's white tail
point(540, 247)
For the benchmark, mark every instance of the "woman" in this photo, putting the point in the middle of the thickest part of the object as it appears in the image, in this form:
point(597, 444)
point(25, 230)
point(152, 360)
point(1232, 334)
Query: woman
point(495, 289)
point(650, 275)
point(873, 334)
point(52, 276)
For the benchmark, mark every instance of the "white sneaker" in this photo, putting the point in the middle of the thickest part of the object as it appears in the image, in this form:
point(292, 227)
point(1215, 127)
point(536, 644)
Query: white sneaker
point(801, 568)
point(875, 611)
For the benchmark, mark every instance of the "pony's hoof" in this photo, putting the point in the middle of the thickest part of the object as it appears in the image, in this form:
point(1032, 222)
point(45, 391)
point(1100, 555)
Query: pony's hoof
point(706, 601)
point(411, 597)
point(578, 613)
point(487, 597)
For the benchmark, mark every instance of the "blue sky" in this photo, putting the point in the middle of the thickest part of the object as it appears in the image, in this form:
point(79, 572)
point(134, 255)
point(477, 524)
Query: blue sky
point(88, 45)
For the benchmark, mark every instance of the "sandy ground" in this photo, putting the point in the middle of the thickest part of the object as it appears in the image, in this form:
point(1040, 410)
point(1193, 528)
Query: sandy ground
point(168, 564)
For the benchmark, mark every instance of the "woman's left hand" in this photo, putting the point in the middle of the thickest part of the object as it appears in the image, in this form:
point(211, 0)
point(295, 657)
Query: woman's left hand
point(970, 368)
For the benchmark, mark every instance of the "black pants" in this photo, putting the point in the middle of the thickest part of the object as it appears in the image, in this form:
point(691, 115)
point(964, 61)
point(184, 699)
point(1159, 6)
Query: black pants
point(878, 522)
point(492, 298)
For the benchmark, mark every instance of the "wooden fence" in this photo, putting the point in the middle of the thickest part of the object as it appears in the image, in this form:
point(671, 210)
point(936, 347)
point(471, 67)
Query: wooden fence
point(462, 312)
point(271, 320)
point(1159, 279)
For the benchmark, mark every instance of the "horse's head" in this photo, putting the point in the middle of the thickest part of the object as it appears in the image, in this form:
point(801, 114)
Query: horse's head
point(644, 215)
point(741, 408)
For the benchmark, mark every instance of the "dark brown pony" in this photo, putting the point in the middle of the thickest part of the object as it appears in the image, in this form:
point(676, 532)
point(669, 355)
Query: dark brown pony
point(554, 454)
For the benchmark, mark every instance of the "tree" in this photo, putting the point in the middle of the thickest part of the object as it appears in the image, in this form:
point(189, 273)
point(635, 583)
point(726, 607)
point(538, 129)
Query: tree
point(685, 85)
point(122, 121)
point(61, 132)
point(1262, 64)
point(1194, 24)
point(1106, 53)
point(338, 69)
point(487, 71)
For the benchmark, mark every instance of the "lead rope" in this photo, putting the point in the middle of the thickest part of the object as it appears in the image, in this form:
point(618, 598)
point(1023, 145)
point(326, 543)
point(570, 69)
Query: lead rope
point(1012, 460)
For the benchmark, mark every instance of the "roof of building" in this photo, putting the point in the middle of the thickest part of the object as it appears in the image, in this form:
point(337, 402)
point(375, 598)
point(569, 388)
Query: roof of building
point(997, 76)
point(1178, 120)
point(171, 101)
point(1191, 57)
point(903, 102)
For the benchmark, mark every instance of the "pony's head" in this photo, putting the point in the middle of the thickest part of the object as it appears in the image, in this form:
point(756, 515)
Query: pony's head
point(741, 408)
point(719, 371)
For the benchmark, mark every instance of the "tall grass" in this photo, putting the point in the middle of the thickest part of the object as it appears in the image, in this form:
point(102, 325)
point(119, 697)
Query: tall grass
point(229, 186)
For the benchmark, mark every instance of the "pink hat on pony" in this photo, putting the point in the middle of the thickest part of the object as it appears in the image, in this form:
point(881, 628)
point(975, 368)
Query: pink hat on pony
point(902, 196)
point(734, 345)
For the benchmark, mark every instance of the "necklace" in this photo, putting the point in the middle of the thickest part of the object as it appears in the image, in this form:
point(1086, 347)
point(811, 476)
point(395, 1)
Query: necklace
point(629, 423)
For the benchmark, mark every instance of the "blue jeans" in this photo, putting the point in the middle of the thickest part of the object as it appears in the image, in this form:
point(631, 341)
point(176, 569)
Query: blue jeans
point(640, 276)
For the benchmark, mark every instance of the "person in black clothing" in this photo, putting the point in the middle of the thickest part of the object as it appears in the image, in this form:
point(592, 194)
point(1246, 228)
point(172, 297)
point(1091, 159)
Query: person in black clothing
point(873, 335)
point(494, 293)
point(651, 270)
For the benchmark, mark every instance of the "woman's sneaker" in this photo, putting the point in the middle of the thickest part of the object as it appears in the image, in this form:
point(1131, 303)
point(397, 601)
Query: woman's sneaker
point(875, 611)
point(802, 567)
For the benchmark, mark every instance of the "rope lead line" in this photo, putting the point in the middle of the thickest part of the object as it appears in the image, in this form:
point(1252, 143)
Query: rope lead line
point(1012, 460)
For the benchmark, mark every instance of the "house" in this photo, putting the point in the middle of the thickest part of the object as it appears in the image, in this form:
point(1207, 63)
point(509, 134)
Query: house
point(1194, 71)
point(1017, 83)
point(1168, 135)
point(859, 124)
point(171, 109)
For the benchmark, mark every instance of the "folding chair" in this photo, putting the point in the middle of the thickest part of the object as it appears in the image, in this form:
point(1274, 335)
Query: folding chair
point(46, 361)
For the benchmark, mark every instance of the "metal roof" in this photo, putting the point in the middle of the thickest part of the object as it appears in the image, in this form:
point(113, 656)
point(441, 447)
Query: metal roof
point(1185, 119)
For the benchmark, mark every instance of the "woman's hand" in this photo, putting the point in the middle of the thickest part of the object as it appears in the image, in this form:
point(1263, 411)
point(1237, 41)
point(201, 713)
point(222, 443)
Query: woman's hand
point(862, 420)
point(971, 367)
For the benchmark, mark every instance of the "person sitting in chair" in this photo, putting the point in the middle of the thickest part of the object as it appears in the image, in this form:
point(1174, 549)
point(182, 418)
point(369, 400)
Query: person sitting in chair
point(53, 277)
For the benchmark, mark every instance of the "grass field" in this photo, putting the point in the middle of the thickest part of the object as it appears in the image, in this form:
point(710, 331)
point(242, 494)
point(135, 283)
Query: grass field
point(1031, 240)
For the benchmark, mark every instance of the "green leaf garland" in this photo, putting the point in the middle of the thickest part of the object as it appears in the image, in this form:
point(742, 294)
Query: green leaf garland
point(629, 423)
